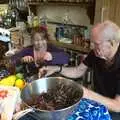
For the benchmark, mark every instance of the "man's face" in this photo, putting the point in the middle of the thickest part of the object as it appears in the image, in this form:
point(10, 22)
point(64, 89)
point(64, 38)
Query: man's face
point(39, 42)
point(102, 48)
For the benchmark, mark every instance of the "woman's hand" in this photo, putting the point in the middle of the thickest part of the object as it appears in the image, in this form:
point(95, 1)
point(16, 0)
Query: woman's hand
point(48, 56)
point(27, 59)
point(49, 70)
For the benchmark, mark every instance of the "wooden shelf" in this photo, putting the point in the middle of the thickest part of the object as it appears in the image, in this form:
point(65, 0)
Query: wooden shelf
point(3, 1)
point(69, 46)
point(61, 3)
point(65, 24)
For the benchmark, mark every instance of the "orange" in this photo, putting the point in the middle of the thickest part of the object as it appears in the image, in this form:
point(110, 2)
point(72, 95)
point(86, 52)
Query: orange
point(20, 83)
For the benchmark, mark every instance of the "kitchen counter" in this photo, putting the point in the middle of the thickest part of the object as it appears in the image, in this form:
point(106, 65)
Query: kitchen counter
point(70, 46)
point(86, 110)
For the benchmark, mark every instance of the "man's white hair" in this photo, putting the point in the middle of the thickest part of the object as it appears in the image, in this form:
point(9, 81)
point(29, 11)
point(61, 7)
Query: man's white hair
point(108, 31)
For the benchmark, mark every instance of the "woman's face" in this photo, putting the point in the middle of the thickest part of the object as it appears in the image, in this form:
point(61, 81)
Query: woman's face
point(39, 42)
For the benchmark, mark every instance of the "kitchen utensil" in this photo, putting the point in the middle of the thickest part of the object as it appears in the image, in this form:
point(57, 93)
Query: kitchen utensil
point(39, 86)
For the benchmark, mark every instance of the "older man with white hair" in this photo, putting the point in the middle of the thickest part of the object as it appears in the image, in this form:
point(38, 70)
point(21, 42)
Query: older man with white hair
point(104, 59)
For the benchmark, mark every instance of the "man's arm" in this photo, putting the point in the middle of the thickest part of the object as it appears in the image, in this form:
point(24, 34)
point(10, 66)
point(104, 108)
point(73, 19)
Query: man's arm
point(74, 72)
point(111, 104)
point(71, 72)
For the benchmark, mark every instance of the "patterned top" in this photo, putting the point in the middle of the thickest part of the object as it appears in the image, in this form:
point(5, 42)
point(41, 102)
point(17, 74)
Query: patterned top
point(90, 110)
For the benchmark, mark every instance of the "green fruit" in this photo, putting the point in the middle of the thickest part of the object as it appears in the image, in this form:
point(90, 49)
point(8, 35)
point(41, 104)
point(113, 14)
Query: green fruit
point(19, 76)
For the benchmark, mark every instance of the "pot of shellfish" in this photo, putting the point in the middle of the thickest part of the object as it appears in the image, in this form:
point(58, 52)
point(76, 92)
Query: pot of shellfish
point(52, 98)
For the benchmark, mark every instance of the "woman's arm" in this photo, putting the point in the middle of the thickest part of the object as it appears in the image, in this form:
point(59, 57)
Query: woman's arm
point(28, 51)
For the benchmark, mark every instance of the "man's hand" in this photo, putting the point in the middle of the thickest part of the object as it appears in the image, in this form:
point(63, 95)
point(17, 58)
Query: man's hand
point(27, 59)
point(49, 70)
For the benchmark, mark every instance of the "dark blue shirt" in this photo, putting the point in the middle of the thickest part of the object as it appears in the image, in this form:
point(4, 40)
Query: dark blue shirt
point(106, 78)
point(59, 56)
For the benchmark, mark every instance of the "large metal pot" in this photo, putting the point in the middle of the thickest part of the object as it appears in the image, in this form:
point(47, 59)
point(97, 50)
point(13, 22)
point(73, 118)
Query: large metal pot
point(42, 85)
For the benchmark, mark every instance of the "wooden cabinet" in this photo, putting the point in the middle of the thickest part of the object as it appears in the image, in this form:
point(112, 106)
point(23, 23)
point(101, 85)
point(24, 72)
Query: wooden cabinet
point(107, 9)
point(114, 10)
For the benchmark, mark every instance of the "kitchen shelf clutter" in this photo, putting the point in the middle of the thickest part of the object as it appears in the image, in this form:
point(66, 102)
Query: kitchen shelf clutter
point(77, 35)
point(67, 34)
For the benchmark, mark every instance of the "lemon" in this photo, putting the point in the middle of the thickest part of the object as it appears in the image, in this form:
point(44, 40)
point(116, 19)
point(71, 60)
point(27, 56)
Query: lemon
point(11, 79)
point(3, 81)
point(20, 83)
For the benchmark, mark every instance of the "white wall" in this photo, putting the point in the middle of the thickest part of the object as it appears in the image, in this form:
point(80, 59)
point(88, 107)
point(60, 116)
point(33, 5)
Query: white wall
point(57, 12)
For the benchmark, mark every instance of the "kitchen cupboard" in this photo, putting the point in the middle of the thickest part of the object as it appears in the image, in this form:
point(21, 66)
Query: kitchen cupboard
point(107, 9)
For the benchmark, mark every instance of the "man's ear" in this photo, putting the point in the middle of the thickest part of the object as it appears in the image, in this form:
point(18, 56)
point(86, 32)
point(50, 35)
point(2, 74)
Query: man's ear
point(113, 43)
